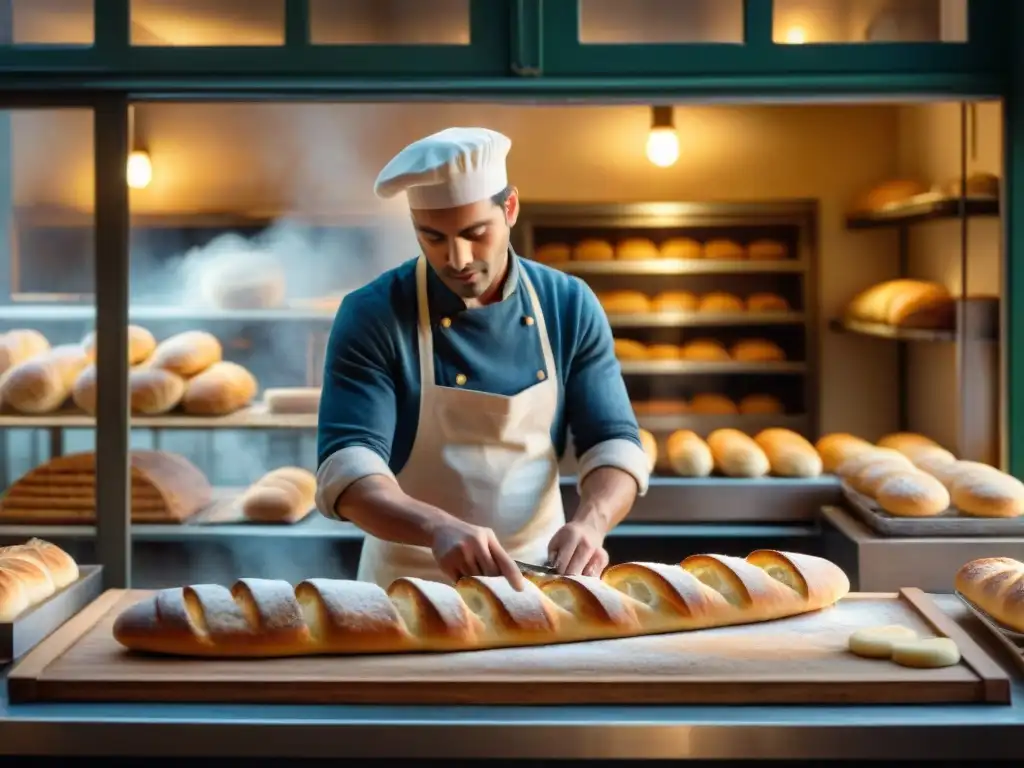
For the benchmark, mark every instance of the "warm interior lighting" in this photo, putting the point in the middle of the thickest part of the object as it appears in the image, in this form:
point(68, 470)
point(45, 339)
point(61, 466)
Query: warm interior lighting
point(796, 36)
point(662, 141)
point(140, 169)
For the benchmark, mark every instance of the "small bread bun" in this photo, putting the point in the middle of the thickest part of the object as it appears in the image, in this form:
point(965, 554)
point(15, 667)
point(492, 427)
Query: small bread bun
point(141, 344)
point(870, 478)
point(761, 404)
point(912, 494)
point(624, 302)
point(767, 250)
point(837, 447)
point(636, 249)
point(663, 352)
point(712, 404)
point(724, 250)
point(688, 455)
point(675, 301)
point(704, 351)
point(627, 349)
point(900, 440)
point(593, 249)
point(552, 253)
point(719, 301)
point(681, 248)
point(849, 467)
point(757, 351)
point(930, 460)
point(766, 302)
point(988, 494)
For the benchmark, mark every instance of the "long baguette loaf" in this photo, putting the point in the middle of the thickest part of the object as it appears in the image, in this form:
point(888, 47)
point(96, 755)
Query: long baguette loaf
point(265, 618)
point(996, 585)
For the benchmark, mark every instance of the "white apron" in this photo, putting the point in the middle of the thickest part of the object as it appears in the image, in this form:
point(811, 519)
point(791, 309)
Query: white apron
point(483, 458)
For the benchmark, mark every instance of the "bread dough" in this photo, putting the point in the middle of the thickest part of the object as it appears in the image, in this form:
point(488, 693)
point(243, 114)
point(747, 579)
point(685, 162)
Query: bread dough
point(932, 653)
point(877, 642)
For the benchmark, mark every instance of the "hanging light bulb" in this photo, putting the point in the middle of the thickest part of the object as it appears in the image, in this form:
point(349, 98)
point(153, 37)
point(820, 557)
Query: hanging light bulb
point(662, 141)
point(796, 36)
point(140, 169)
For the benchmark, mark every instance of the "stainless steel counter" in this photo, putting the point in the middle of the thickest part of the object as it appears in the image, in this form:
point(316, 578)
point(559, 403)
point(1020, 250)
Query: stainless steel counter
point(922, 732)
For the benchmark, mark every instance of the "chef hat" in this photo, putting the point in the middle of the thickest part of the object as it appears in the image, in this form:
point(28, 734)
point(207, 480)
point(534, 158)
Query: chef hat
point(457, 166)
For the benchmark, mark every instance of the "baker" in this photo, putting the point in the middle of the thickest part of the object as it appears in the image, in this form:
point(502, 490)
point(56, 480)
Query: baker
point(451, 381)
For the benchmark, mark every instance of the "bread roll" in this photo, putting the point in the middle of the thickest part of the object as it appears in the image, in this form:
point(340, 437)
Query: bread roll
point(987, 494)
point(870, 478)
point(837, 447)
point(767, 250)
point(636, 249)
point(552, 253)
point(761, 404)
point(898, 441)
point(704, 351)
point(766, 302)
point(292, 399)
point(593, 249)
point(681, 248)
point(141, 344)
point(663, 352)
point(151, 391)
point(19, 346)
point(789, 454)
point(283, 495)
point(221, 389)
point(660, 408)
point(757, 351)
point(187, 354)
point(627, 349)
point(912, 494)
point(996, 585)
point(929, 459)
point(724, 250)
point(737, 455)
point(718, 301)
point(650, 446)
point(712, 404)
point(979, 184)
point(948, 472)
point(625, 302)
point(44, 383)
point(852, 465)
point(267, 618)
point(887, 194)
point(688, 455)
point(675, 301)
point(904, 303)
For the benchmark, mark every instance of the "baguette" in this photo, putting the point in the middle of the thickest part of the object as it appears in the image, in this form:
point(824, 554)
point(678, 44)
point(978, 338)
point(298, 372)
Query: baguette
point(789, 454)
point(737, 455)
point(996, 585)
point(221, 389)
point(688, 455)
point(267, 618)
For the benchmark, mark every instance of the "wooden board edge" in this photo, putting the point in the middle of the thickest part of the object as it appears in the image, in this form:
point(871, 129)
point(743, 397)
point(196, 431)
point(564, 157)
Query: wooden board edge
point(995, 682)
point(22, 679)
point(1015, 651)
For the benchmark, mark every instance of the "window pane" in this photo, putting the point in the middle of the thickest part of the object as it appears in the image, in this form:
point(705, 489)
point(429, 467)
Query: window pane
point(47, 22)
point(870, 21)
point(661, 21)
point(207, 22)
point(389, 22)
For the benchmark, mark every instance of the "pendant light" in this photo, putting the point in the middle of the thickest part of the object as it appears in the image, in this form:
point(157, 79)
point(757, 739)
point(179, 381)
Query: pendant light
point(662, 141)
point(140, 167)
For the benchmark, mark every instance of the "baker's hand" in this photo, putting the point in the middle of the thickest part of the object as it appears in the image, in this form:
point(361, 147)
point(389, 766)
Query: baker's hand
point(578, 548)
point(462, 549)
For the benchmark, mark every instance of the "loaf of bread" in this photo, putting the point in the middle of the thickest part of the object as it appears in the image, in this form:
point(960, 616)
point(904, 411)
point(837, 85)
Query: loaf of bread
point(761, 404)
point(624, 302)
point(30, 573)
point(757, 351)
point(292, 399)
point(650, 446)
point(870, 477)
point(552, 253)
point(141, 344)
point(766, 302)
point(663, 352)
point(283, 495)
point(737, 455)
point(704, 351)
point(681, 248)
point(996, 585)
point(712, 404)
point(837, 447)
point(851, 466)
point(789, 454)
point(44, 383)
point(660, 407)
point(888, 194)
point(628, 349)
point(675, 301)
point(687, 455)
point(767, 250)
point(905, 303)
point(221, 389)
point(724, 250)
point(266, 618)
point(151, 391)
point(636, 249)
point(19, 346)
point(949, 472)
point(187, 354)
point(719, 301)
point(898, 441)
point(987, 494)
point(593, 249)
point(912, 494)
point(979, 184)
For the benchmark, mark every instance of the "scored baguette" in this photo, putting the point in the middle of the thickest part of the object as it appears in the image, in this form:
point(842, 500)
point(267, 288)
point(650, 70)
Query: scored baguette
point(994, 584)
point(266, 618)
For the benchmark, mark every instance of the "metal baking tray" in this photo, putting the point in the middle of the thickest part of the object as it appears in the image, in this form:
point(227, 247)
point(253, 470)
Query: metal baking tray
point(21, 635)
point(994, 624)
point(946, 524)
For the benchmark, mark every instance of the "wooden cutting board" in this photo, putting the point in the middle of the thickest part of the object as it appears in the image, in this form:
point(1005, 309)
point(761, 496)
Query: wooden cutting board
point(801, 660)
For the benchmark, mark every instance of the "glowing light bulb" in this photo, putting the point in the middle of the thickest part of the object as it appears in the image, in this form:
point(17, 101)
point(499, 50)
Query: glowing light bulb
point(662, 147)
point(140, 170)
point(796, 36)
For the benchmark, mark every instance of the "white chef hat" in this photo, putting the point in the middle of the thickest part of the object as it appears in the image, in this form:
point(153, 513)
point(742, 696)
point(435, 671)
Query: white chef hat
point(457, 166)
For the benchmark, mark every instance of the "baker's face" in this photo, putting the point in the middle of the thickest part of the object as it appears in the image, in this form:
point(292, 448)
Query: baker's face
point(468, 246)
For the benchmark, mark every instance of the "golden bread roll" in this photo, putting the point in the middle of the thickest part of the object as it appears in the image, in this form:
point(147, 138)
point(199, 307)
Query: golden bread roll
point(996, 585)
point(660, 408)
point(329, 616)
point(737, 455)
point(286, 494)
point(887, 194)
point(627, 349)
point(650, 446)
point(712, 404)
point(837, 447)
point(900, 440)
point(719, 301)
point(663, 352)
point(187, 354)
point(757, 351)
point(221, 389)
point(869, 478)
point(593, 249)
point(625, 302)
point(767, 250)
point(21, 345)
point(987, 494)
point(681, 248)
point(979, 184)
point(850, 466)
point(904, 303)
point(948, 472)
point(912, 494)
point(44, 383)
point(704, 351)
point(675, 301)
point(724, 250)
point(552, 253)
point(688, 455)
point(929, 459)
point(766, 302)
point(636, 249)
point(761, 404)
point(141, 344)
point(789, 454)
point(151, 391)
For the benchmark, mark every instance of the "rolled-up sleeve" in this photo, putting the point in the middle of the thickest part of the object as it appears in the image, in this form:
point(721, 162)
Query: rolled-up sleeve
point(356, 424)
point(604, 428)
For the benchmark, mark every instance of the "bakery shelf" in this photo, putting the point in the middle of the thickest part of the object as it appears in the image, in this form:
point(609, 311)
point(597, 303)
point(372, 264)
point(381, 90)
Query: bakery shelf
point(254, 417)
point(44, 312)
point(672, 367)
point(680, 267)
point(923, 209)
point(701, 319)
point(882, 331)
point(704, 424)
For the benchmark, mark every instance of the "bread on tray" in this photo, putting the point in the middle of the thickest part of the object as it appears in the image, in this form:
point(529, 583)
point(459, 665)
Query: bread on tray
point(267, 618)
point(30, 573)
point(996, 585)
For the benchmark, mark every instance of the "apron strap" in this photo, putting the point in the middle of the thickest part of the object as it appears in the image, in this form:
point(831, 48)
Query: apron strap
point(542, 329)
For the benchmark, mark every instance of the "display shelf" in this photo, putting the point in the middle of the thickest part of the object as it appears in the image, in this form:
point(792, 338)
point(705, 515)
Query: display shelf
point(672, 367)
point(704, 424)
point(680, 267)
point(701, 319)
point(924, 208)
point(50, 313)
point(254, 417)
point(882, 331)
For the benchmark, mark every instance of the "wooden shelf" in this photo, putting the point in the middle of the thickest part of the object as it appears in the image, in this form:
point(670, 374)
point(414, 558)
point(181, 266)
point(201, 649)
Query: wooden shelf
point(882, 331)
point(254, 417)
point(676, 367)
point(701, 319)
point(681, 267)
point(704, 424)
point(924, 208)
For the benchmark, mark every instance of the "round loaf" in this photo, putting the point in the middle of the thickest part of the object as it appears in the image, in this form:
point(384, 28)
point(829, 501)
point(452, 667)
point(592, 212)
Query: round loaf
point(688, 455)
point(712, 404)
point(704, 351)
point(837, 447)
point(663, 352)
point(221, 389)
point(187, 354)
point(912, 494)
point(887, 194)
point(737, 455)
point(650, 446)
point(593, 249)
point(636, 249)
point(552, 253)
point(724, 250)
point(20, 345)
point(987, 494)
point(789, 453)
point(766, 302)
point(681, 248)
point(660, 408)
point(628, 349)
point(675, 301)
point(761, 404)
point(757, 351)
point(719, 301)
point(624, 302)
point(767, 250)
point(141, 344)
